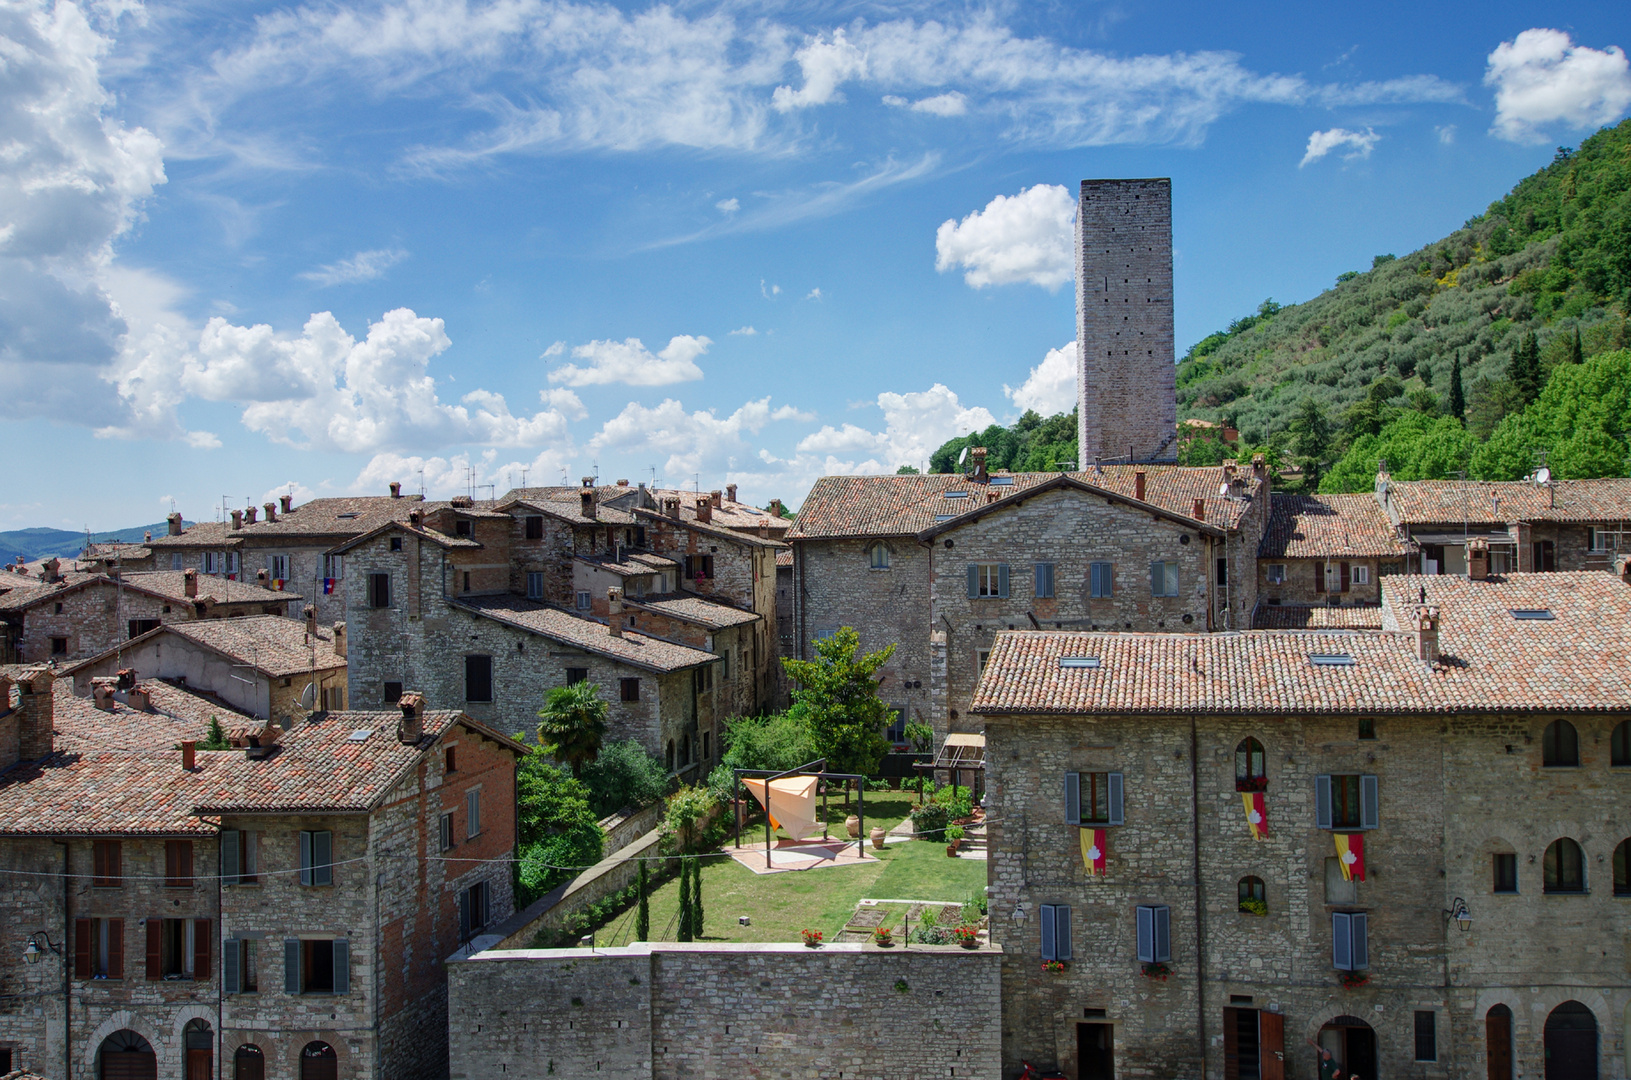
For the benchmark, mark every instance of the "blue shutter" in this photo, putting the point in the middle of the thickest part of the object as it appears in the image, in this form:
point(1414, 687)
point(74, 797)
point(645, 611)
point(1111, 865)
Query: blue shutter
point(1322, 802)
point(291, 965)
point(229, 966)
point(1172, 579)
point(305, 858)
point(322, 854)
point(1073, 798)
point(1061, 932)
point(464, 915)
point(1115, 798)
point(1002, 580)
point(1044, 581)
point(1146, 936)
point(229, 857)
point(1360, 940)
point(1163, 934)
point(342, 965)
point(1158, 576)
point(1341, 941)
point(1049, 941)
point(1369, 813)
point(1095, 587)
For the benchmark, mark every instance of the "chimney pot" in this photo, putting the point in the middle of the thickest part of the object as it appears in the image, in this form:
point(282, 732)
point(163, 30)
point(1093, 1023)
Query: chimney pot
point(102, 693)
point(339, 640)
point(263, 578)
point(671, 507)
point(139, 699)
point(189, 583)
point(173, 520)
point(614, 611)
point(287, 502)
point(730, 492)
point(416, 518)
point(147, 537)
point(1200, 510)
point(310, 613)
point(976, 458)
point(1477, 558)
point(1427, 634)
point(411, 728)
point(251, 514)
point(717, 498)
point(778, 508)
point(126, 679)
point(189, 755)
point(237, 519)
point(1138, 485)
point(764, 528)
point(396, 489)
point(622, 483)
point(705, 510)
point(271, 511)
point(588, 497)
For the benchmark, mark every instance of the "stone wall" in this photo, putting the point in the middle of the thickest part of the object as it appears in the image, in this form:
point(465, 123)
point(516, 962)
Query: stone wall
point(669, 1011)
point(1302, 575)
point(611, 875)
point(98, 616)
point(305, 570)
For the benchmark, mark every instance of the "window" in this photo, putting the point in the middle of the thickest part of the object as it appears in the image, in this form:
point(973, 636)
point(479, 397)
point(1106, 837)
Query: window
point(702, 679)
point(1619, 744)
point(1163, 579)
point(629, 689)
point(279, 567)
point(472, 813)
point(1545, 556)
point(1565, 869)
point(392, 693)
point(1044, 581)
point(450, 759)
point(1275, 574)
point(1559, 745)
point(334, 566)
point(444, 832)
point(466, 582)
point(583, 600)
point(396, 543)
point(877, 556)
point(1251, 897)
point(239, 858)
point(334, 698)
point(138, 627)
point(478, 678)
point(896, 731)
point(212, 562)
point(1250, 772)
point(1367, 728)
point(233, 564)
point(473, 910)
point(535, 528)
point(59, 646)
point(1093, 798)
point(668, 756)
point(316, 857)
point(576, 675)
point(1426, 1035)
point(1505, 864)
point(1101, 580)
point(379, 590)
point(1361, 575)
point(248, 1063)
point(1622, 869)
point(178, 948)
point(1346, 801)
point(535, 585)
point(105, 864)
point(699, 567)
point(1350, 940)
point(317, 966)
point(1154, 934)
point(464, 527)
point(707, 752)
point(178, 864)
point(99, 948)
point(176, 561)
point(987, 581)
point(982, 657)
point(240, 966)
point(1055, 931)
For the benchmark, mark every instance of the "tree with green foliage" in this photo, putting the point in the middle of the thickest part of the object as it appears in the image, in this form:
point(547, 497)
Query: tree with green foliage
point(1033, 444)
point(572, 724)
point(1368, 415)
point(557, 829)
point(688, 810)
point(1523, 372)
point(1458, 397)
point(685, 901)
point(837, 695)
point(696, 899)
point(1581, 421)
point(906, 470)
point(642, 916)
point(624, 774)
point(1577, 349)
point(1415, 445)
point(216, 737)
point(1312, 431)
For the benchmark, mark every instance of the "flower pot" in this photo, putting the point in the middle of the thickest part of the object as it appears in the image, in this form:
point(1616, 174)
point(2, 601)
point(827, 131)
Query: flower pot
point(853, 825)
point(878, 836)
point(951, 850)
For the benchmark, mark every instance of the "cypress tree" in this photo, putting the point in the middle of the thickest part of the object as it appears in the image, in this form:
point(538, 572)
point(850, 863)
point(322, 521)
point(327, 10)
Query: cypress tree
point(685, 901)
point(642, 919)
point(1524, 370)
point(696, 900)
point(1577, 349)
point(1458, 396)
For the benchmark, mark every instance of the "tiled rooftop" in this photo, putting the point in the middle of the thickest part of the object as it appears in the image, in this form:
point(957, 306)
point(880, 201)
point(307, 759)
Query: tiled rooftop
point(1329, 526)
point(750, 539)
point(1485, 502)
point(204, 534)
point(567, 504)
point(633, 563)
point(172, 584)
point(178, 716)
point(273, 645)
point(1317, 617)
point(727, 515)
point(694, 609)
point(118, 793)
point(592, 635)
point(331, 518)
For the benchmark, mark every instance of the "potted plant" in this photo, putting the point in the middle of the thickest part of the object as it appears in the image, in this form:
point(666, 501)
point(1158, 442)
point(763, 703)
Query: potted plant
point(967, 936)
point(954, 838)
point(1353, 980)
point(1156, 971)
point(812, 938)
point(1254, 907)
point(883, 937)
point(1053, 967)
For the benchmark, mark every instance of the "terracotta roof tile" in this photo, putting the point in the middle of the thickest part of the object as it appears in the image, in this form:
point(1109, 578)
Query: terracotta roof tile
point(706, 529)
point(1329, 526)
point(112, 793)
point(273, 645)
point(1317, 617)
point(178, 716)
point(204, 534)
point(1483, 502)
point(331, 518)
point(693, 609)
point(591, 635)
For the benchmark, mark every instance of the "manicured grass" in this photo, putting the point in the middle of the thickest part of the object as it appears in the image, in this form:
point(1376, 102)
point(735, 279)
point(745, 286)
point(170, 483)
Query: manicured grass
point(780, 905)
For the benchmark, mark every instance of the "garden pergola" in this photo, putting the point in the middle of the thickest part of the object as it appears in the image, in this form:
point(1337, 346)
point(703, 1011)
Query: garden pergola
point(816, 768)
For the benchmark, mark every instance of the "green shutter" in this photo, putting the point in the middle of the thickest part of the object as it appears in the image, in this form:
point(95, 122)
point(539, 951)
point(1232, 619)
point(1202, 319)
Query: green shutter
point(291, 965)
point(342, 966)
point(973, 581)
point(1002, 580)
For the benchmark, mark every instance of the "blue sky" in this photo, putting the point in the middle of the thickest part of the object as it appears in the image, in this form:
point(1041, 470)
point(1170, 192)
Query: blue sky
point(244, 247)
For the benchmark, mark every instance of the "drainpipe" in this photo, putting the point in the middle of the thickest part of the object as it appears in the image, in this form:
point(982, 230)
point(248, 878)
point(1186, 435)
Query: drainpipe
point(68, 945)
point(220, 987)
point(1195, 847)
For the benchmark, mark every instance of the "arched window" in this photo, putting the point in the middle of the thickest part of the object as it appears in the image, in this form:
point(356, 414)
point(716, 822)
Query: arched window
point(877, 556)
point(1253, 898)
point(1559, 745)
point(319, 1062)
point(1622, 869)
point(1571, 1043)
point(1565, 870)
point(125, 1055)
point(1250, 774)
point(248, 1063)
point(1620, 744)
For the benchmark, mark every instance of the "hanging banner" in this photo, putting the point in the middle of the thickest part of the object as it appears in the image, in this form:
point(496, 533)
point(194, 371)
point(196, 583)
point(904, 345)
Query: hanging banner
point(1257, 813)
point(1094, 844)
point(1351, 855)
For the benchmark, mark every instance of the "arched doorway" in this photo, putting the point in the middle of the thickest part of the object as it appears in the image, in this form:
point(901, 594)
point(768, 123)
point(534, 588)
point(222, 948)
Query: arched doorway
point(198, 1042)
point(125, 1055)
point(1498, 1042)
point(248, 1063)
point(319, 1062)
point(1571, 1043)
point(1353, 1044)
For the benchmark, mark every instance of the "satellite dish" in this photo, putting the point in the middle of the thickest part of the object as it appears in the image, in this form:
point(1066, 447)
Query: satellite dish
point(962, 457)
point(1543, 475)
point(1224, 490)
point(308, 696)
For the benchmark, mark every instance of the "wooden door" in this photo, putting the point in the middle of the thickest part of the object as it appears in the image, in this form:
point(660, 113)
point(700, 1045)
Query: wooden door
point(1095, 1052)
point(200, 1065)
point(1498, 1042)
point(1271, 1045)
point(1231, 1044)
point(129, 1065)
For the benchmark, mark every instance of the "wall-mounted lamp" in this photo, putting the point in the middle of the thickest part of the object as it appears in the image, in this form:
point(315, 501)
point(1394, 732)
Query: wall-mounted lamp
point(32, 951)
point(1458, 911)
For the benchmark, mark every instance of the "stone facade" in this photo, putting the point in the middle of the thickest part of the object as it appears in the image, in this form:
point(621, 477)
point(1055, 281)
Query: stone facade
point(696, 1010)
point(1126, 378)
point(1324, 581)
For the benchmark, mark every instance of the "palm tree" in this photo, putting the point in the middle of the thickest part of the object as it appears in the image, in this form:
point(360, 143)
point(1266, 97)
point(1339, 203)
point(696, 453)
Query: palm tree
point(572, 724)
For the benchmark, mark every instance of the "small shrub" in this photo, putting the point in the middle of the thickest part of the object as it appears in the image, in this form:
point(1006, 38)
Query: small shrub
point(931, 935)
point(929, 821)
point(1254, 907)
point(624, 775)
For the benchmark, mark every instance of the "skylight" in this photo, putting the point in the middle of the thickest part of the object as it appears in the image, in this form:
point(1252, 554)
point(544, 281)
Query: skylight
point(1002, 481)
point(944, 517)
point(1340, 659)
point(1532, 613)
point(1078, 661)
point(361, 735)
point(956, 494)
point(346, 517)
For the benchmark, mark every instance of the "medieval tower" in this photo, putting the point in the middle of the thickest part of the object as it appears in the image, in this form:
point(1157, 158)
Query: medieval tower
point(1126, 386)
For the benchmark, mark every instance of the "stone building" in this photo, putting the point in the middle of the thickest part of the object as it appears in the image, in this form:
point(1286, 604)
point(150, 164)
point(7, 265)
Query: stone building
point(280, 911)
point(1326, 551)
point(206, 546)
point(1408, 845)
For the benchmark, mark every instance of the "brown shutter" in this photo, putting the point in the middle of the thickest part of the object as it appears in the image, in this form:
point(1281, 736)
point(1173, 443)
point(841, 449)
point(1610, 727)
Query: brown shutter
point(99, 861)
point(186, 863)
point(1319, 575)
point(201, 948)
point(116, 869)
point(1231, 1044)
point(1344, 577)
point(116, 948)
point(155, 949)
point(82, 948)
point(1271, 1045)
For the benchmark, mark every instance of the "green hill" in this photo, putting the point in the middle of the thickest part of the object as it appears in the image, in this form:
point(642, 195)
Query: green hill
point(41, 543)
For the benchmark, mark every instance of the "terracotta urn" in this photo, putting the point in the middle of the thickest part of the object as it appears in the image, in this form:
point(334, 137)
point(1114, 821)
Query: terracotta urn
point(878, 835)
point(853, 824)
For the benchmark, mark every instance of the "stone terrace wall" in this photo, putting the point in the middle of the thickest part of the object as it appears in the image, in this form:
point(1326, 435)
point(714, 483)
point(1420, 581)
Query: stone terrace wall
point(697, 1010)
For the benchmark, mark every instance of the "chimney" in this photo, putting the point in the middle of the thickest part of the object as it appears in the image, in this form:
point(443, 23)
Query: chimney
point(416, 518)
point(976, 459)
point(1477, 558)
point(778, 508)
point(339, 640)
point(237, 520)
point(263, 578)
point(102, 693)
point(587, 496)
point(173, 520)
point(622, 483)
point(614, 611)
point(311, 620)
point(705, 510)
point(287, 502)
point(671, 507)
point(396, 489)
point(1200, 510)
point(1622, 568)
point(764, 528)
point(34, 711)
point(1138, 485)
point(730, 492)
point(271, 512)
point(411, 728)
point(1427, 634)
point(139, 699)
point(147, 537)
point(189, 583)
point(718, 499)
point(126, 679)
point(189, 755)
point(250, 515)
point(1230, 435)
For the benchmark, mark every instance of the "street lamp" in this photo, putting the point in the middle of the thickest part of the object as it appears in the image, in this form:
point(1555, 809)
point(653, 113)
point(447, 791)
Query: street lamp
point(1458, 911)
point(32, 951)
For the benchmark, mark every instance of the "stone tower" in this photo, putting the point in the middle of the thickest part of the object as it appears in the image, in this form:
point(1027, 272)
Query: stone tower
point(1126, 375)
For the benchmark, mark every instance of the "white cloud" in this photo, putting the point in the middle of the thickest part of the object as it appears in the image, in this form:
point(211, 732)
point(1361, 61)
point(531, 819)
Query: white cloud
point(1445, 133)
point(1321, 143)
point(813, 294)
point(743, 331)
point(300, 492)
point(774, 290)
point(728, 206)
point(363, 266)
point(689, 442)
point(827, 64)
point(556, 349)
point(915, 426)
point(1051, 386)
point(1542, 77)
point(1027, 237)
point(631, 363)
point(951, 103)
point(565, 402)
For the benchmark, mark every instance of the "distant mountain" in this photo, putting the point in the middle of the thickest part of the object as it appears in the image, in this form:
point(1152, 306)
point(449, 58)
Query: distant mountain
point(64, 544)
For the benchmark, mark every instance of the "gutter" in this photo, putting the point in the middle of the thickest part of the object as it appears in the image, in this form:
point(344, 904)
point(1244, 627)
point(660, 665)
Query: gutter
point(1195, 848)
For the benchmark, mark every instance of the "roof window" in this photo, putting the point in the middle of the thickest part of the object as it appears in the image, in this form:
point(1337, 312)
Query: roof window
point(1001, 481)
point(361, 735)
point(1533, 613)
point(1340, 659)
point(956, 494)
point(1078, 661)
point(944, 517)
point(346, 517)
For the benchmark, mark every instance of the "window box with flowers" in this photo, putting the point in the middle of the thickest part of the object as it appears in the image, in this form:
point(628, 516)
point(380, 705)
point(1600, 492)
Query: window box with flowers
point(1054, 967)
point(1157, 971)
point(1353, 980)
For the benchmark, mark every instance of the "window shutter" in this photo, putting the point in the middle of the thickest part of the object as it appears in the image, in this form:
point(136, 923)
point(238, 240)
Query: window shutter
point(342, 965)
point(322, 850)
point(1369, 812)
point(291, 965)
point(155, 949)
point(251, 863)
point(1231, 1045)
point(116, 948)
point(1361, 940)
point(1049, 932)
point(230, 950)
point(1115, 798)
point(1341, 941)
point(1322, 802)
point(472, 813)
point(1073, 798)
point(229, 857)
point(464, 915)
point(1163, 934)
point(1002, 580)
point(203, 962)
point(1172, 579)
point(1319, 576)
point(1061, 932)
point(305, 858)
point(1109, 579)
point(1346, 577)
point(1146, 935)
point(1158, 575)
point(973, 581)
point(82, 948)
point(185, 859)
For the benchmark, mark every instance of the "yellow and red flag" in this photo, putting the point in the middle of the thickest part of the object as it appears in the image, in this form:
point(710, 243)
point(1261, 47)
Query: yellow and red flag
point(1257, 813)
point(1351, 855)
point(1095, 842)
